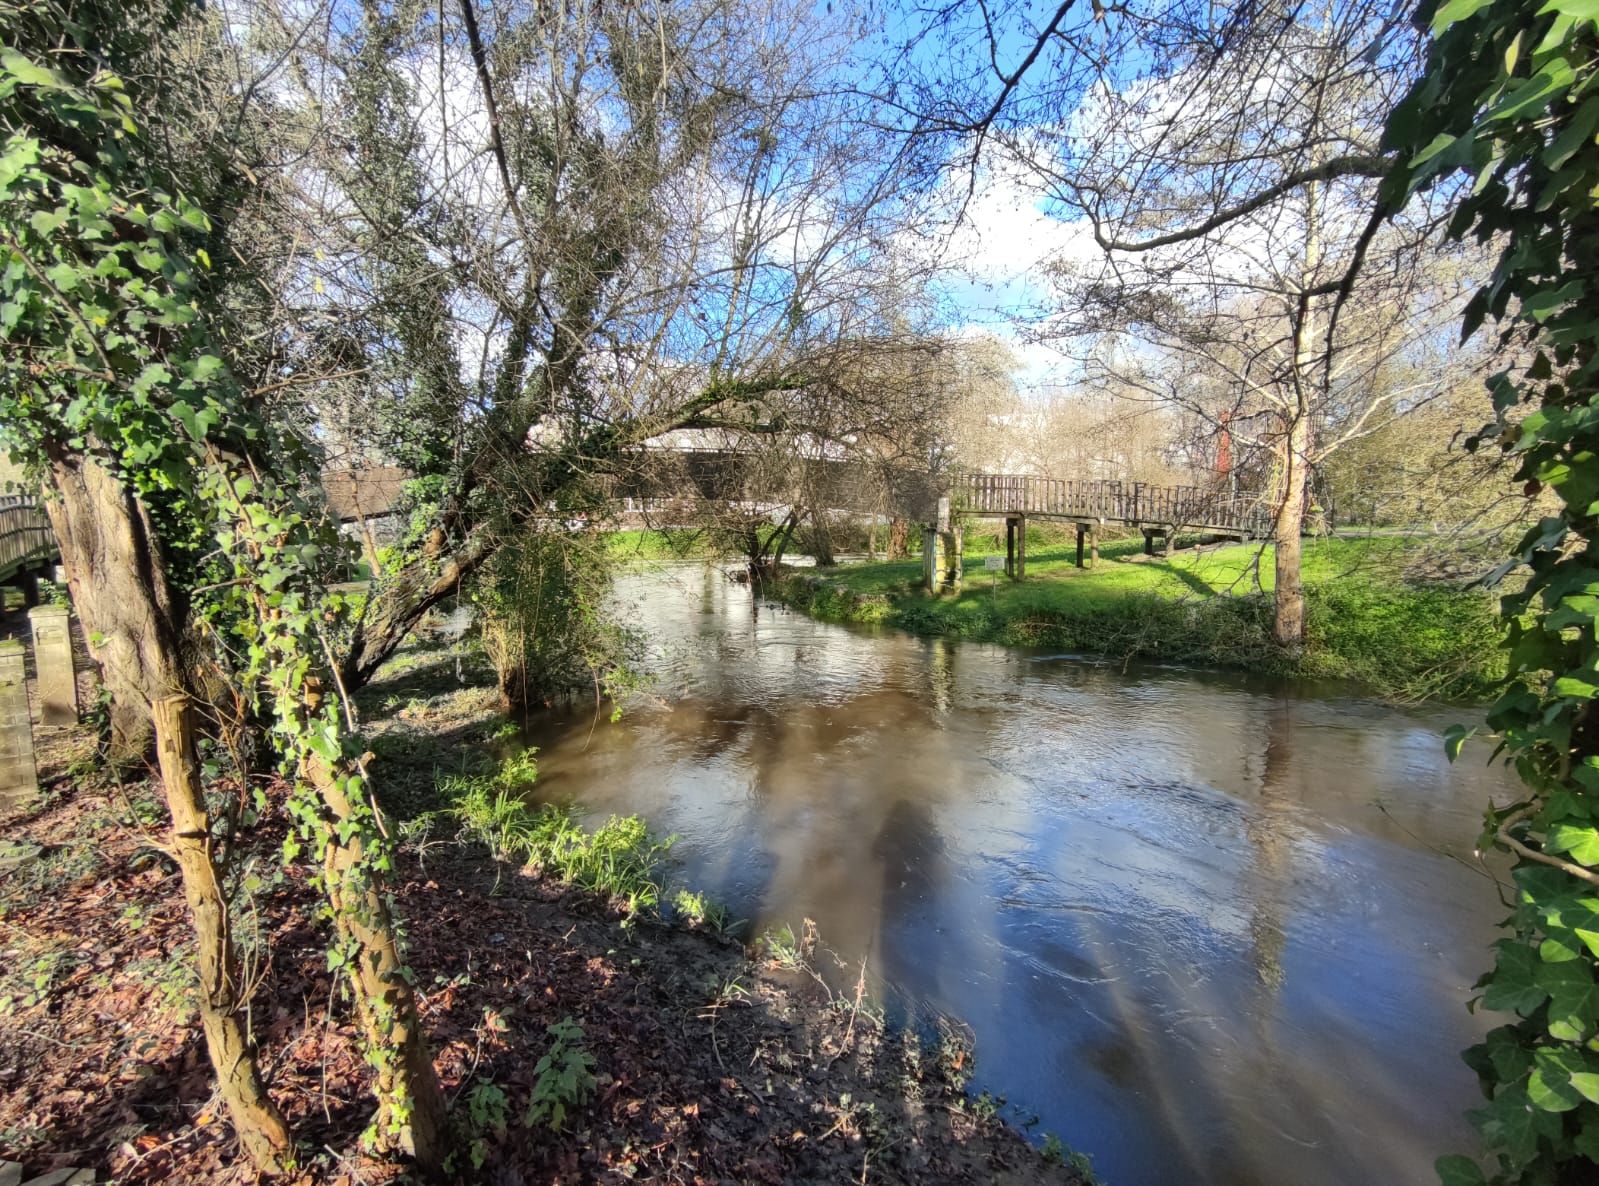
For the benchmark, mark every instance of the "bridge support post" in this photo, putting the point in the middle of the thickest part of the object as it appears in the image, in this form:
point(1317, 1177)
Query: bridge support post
point(954, 569)
point(52, 656)
point(1016, 546)
point(1093, 547)
point(19, 777)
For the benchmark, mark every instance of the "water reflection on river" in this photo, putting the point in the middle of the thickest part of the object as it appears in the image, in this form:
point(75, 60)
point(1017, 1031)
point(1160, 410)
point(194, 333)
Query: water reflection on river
point(1168, 904)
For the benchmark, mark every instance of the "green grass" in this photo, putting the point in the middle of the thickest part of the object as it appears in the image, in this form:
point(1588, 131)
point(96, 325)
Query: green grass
point(620, 859)
point(672, 543)
point(1212, 607)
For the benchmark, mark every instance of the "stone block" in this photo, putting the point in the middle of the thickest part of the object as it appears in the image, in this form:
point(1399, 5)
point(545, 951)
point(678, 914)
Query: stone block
point(19, 777)
point(52, 656)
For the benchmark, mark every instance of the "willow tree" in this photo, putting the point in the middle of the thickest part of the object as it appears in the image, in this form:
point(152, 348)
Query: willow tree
point(191, 559)
point(1502, 124)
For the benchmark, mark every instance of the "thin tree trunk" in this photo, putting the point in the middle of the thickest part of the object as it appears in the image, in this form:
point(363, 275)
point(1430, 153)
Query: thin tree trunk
point(223, 996)
point(822, 536)
point(1288, 598)
point(411, 1112)
point(119, 589)
point(899, 530)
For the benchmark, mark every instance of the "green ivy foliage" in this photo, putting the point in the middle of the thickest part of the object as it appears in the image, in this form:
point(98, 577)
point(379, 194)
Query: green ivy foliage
point(106, 348)
point(110, 353)
point(1504, 118)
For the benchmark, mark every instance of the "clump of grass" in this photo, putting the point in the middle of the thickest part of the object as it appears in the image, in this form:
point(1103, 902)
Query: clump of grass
point(700, 909)
point(620, 859)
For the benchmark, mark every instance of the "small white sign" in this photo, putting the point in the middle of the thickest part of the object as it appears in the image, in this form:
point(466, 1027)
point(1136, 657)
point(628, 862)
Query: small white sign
point(994, 563)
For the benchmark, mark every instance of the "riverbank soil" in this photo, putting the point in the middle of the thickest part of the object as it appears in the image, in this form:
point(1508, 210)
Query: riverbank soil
point(1397, 615)
point(708, 1065)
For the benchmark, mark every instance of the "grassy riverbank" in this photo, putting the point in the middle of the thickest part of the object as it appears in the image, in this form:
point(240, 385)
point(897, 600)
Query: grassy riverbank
point(589, 1019)
point(1366, 619)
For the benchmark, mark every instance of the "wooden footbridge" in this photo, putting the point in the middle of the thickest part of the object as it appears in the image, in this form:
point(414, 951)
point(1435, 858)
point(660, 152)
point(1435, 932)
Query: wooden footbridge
point(27, 545)
point(1160, 512)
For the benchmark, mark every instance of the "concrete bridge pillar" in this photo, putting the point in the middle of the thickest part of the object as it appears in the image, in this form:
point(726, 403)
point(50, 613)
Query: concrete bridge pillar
point(52, 654)
point(19, 777)
point(932, 570)
point(941, 552)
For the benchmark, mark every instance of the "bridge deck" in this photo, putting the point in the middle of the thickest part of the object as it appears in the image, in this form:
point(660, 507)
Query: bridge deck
point(1136, 504)
point(25, 537)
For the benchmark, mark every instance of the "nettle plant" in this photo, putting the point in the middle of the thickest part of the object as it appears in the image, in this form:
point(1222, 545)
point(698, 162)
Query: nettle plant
point(1505, 117)
point(111, 361)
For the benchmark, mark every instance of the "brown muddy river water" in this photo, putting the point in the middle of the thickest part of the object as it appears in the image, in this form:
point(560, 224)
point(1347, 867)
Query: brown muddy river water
point(1205, 928)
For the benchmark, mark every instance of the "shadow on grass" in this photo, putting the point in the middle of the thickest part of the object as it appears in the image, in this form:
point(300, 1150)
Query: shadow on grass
point(1188, 577)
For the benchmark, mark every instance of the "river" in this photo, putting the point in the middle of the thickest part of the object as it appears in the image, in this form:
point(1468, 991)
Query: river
point(1206, 928)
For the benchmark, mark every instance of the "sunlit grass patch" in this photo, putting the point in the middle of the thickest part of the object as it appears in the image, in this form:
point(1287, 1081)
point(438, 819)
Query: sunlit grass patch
point(621, 859)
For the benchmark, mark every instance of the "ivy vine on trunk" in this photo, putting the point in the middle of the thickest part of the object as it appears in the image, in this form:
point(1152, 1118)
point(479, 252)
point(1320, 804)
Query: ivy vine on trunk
point(1504, 117)
point(162, 475)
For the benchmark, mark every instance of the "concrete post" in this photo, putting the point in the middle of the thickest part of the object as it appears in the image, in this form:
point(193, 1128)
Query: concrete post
point(19, 778)
point(930, 568)
point(52, 655)
point(953, 548)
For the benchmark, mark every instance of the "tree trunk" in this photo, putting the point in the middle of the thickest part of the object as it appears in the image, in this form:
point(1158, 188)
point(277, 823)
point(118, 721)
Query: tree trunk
point(411, 1112)
point(401, 600)
point(899, 530)
point(1288, 598)
point(223, 994)
point(822, 539)
point(512, 679)
point(119, 589)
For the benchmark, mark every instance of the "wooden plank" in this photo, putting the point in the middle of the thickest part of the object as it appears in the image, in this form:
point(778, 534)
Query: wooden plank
point(25, 538)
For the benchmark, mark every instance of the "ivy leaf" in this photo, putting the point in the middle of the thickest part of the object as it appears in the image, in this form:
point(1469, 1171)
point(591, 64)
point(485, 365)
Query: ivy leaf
point(1533, 95)
point(1580, 840)
point(1512, 1123)
point(1573, 999)
point(1456, 1170)
point(1456, 10)
point(1582, 10)
point(1546, 302)
point(1561, 1079)
point(1514, 987)
point(1455, 737)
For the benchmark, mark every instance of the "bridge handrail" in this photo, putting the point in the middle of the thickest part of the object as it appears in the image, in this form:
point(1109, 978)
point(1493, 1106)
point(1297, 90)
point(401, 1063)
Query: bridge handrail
point(1109, 499)
point(25, 536)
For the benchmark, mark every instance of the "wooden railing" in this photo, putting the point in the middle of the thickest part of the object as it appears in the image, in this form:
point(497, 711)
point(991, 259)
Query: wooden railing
point(1134, 503)
point(25, 536)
